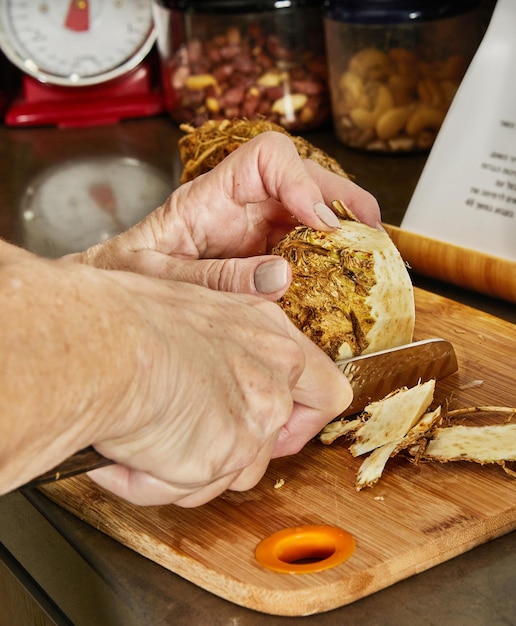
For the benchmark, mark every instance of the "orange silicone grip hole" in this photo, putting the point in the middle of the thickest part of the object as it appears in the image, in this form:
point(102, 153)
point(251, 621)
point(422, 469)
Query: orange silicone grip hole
point(305, 549)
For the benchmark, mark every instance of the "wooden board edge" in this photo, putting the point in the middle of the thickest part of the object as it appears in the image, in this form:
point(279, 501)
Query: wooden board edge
point(466, 268)
point(307, 601)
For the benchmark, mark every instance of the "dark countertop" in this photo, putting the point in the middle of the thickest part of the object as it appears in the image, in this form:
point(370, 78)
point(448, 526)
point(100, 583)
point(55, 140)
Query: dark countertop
point(92, 579)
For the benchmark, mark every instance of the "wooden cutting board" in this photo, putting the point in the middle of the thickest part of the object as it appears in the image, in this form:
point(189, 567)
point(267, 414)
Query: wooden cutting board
point(414, 518)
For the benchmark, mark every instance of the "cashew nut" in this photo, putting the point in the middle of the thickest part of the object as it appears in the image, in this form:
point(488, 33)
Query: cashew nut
point(425, 119)
point(371, 64)
point(365, 119)
point(289, 104)
point(272, 79)
point(430, 92)
point(352, 88)
point(213, 105)
point(200, 81)
point(394, 100)
point(392, 122)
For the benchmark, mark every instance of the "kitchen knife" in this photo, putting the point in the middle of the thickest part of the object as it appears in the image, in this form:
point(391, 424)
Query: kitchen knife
point(372, 377)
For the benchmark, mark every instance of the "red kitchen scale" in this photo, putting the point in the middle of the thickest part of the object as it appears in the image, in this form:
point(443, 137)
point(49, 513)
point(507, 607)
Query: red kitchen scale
point(83, 62)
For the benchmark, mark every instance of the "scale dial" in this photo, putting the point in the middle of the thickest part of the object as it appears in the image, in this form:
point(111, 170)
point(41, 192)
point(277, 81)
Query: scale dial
point(81, 202)
point(76, 42)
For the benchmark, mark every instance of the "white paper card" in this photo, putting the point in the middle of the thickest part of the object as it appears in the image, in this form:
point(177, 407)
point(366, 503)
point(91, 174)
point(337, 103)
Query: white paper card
point(467, 191)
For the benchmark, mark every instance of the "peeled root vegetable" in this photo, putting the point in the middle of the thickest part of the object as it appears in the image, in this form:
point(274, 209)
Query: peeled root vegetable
point(390, 419)
point(401, 422)
point(351, 292)
point(483, 444)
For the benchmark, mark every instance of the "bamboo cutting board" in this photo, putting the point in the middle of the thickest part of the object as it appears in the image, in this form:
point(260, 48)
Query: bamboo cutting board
point(414, 518)
point(470, 269)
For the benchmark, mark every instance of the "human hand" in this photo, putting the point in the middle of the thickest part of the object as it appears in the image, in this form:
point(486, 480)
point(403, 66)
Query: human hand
point(217, 230)
point(227, 383)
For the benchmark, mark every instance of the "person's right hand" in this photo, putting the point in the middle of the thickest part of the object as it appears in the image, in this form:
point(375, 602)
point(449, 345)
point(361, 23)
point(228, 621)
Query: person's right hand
point(226, 382)
point(189, 390)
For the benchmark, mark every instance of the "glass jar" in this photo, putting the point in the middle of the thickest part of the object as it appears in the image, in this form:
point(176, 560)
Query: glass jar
point(394, 68)
point(231, 58)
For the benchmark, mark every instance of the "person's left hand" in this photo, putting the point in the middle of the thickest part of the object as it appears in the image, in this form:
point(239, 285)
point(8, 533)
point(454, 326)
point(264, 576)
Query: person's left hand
point(217, 230)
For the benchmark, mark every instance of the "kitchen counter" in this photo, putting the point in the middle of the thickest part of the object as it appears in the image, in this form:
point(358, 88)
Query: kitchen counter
point(58, 570)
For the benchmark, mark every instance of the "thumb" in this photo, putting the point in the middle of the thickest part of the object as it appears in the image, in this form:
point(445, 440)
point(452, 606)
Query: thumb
point(266, 276)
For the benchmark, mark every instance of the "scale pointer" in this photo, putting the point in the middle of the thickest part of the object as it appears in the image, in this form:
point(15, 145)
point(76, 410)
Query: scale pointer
point(78, 17)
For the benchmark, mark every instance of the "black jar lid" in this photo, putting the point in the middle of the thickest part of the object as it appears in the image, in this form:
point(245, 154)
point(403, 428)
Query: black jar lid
point(235, 6)
point(395, 11)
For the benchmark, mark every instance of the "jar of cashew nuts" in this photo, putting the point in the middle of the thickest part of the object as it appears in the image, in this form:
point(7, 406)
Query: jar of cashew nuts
point(263, 59)
point(395, 66)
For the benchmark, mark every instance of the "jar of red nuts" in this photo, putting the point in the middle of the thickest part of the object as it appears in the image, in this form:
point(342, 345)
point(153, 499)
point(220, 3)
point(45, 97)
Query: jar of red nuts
point(395, 66)
point(223, 59)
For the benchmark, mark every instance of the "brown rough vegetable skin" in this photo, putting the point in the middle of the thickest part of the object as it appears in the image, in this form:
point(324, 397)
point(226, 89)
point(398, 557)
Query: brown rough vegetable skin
point(201, 149)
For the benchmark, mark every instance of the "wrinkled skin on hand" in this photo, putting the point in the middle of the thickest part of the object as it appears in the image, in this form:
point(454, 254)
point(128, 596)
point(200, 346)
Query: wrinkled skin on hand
point(215, 230)
point(216, 402)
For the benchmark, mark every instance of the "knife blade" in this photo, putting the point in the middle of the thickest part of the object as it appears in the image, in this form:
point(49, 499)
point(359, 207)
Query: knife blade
point(372, 377)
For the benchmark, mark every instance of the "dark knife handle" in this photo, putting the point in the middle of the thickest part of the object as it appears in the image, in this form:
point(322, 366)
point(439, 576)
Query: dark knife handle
point(82, 461)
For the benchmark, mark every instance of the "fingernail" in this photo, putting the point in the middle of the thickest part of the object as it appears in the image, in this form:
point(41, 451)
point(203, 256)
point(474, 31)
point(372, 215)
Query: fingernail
point(379, 226)
point(271, 276)
point(325, 214)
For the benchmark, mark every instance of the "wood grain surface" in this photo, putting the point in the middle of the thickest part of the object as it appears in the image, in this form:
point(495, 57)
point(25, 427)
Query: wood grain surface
point(416, 517)
point(467, 268)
